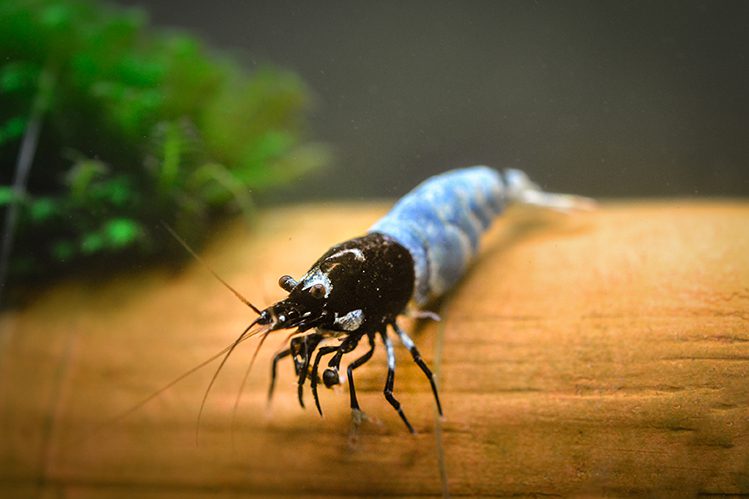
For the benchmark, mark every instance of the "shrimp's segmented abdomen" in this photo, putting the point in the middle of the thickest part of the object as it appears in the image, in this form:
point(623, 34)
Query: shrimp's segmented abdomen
point(441, 221)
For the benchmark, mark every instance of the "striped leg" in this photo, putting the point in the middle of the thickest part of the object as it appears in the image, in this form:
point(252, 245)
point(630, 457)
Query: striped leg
point(350, 372)
point(409, 344)
point(391, 380)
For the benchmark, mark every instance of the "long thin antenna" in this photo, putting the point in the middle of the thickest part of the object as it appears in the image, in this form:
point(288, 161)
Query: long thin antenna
point(132, 409)
point(218, 370)
point(244, 383)
point(198, 258)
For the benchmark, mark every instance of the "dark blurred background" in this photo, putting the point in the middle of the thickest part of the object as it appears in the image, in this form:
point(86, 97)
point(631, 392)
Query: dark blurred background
point(601, 98)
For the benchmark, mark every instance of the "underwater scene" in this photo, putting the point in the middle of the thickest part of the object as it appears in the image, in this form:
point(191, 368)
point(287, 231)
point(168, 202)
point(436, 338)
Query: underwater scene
point(297, 249)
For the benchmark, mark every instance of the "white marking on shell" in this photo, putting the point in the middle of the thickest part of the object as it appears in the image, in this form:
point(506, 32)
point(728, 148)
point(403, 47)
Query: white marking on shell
point(317, 276)
point(351, 321)
point(354, 251)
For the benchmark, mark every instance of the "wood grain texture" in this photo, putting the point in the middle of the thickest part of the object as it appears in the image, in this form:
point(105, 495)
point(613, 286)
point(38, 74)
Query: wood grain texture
point(605, 352)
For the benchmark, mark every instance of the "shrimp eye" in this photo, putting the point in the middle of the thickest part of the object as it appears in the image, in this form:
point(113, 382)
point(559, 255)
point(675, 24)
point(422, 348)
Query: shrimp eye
point(287, 282)
point(317, 291)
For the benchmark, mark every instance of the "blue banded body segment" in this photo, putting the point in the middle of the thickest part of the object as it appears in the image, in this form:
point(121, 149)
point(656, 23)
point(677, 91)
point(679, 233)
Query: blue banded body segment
point(440, 223)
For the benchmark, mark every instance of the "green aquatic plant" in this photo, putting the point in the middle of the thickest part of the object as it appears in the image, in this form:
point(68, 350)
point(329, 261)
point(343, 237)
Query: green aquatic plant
point(108, 126)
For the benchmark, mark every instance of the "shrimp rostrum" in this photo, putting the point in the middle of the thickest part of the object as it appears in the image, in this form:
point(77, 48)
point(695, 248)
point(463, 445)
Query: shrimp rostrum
point(357, 290)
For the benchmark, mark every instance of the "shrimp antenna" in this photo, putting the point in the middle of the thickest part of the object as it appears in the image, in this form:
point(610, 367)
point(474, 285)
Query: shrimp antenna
point(244, 382)
point(198, 258)
point(218, 370)
point(129, 411)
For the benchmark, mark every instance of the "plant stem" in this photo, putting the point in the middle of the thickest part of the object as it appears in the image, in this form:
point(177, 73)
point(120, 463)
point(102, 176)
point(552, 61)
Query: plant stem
point(23, 167)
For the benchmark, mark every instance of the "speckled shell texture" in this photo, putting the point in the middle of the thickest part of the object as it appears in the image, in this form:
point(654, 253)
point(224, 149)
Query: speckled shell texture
point(441, 221)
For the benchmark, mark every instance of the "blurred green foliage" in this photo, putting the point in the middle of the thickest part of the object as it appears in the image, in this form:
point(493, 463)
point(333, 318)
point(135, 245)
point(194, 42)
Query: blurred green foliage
point(137, 126)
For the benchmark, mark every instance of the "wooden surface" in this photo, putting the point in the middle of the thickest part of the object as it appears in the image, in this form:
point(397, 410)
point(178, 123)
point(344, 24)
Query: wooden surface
point(597, 353)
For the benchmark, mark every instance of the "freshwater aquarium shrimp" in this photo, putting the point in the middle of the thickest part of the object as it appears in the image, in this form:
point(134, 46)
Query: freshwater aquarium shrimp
point(357, 290)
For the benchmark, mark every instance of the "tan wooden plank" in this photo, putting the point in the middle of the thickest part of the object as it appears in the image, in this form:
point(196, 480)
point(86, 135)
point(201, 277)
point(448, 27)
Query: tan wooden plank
point(605, 352)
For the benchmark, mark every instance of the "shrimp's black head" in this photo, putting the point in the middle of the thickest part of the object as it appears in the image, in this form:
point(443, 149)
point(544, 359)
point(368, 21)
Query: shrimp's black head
point(358, 285)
